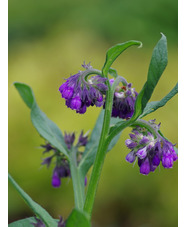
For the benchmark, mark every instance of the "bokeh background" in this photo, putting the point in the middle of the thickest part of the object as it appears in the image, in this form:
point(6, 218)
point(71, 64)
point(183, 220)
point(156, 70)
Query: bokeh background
point(48, 41)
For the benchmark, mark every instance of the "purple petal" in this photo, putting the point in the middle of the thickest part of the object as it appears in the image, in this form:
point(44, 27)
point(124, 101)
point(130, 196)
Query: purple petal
point(167, 161)
point(156, 160)
point(111, 81)
point(142, 153)
point(130, 157)
point(75, 103)
point(56, 181)
point(145, 167)
point(130, 144)
point(144, 140)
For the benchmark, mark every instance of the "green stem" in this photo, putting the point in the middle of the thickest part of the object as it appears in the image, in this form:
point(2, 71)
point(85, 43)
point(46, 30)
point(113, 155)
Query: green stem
point(103, 145)
point(100, 156)
point(78, 182)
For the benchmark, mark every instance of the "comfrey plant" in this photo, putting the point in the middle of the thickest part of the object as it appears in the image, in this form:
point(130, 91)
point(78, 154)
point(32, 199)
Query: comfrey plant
point(122, 107)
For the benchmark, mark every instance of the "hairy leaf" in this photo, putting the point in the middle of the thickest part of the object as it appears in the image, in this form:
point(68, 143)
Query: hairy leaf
point(152, 106)
point(36, 208)
point(157, 65)
point(115, 51)
point(45, 127)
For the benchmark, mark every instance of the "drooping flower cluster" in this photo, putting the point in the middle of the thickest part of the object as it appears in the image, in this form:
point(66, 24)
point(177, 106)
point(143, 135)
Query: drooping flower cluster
point(124, 101)
point(150, 150)
point(80, 92)
point(62, 168)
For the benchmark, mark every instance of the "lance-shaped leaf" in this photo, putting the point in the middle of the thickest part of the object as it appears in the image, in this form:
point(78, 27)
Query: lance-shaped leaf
point(115, 51)
point(157, 66)
point(91, 148)
point(152, 106)
point(45, 127)
point(36, 208)
point(77, 218)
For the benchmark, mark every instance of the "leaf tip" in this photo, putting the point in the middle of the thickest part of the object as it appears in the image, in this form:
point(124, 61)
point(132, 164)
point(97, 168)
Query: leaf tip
point(163, 36)
point(140, 45)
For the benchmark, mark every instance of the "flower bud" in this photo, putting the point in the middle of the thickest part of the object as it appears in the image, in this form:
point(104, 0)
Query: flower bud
point(56, 181)
point(130, 157)
point(145, 167)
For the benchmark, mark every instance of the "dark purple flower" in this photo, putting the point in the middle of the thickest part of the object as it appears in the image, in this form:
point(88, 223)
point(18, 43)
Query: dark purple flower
point(174, 155)
point(39, 223)
point(156, 160)
point(130, 144)
point(144, 140)
point(61, 222)
point(67, 92)
point(145, 167)
point(142, 153)
point(150, 150)
point(130, 157)
point(167, 161)
point(56, 181)
point(69, 139)
point(82, 109)
point(48, 147)
point(83, 139)
point(85, 181)
point(80, 92)
point(63, 170)
point(47, 161)
point(111, 81)
point(75, 103)
point(123, 102)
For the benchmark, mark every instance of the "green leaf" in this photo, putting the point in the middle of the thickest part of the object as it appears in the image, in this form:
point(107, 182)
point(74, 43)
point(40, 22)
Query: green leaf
point(45, 127)
point(157, 65)
point(91, 148)
point(77, 218)
point(113, 72)
point(115, 51)
point(23, 223)
point(36, 208)
point(152, 106)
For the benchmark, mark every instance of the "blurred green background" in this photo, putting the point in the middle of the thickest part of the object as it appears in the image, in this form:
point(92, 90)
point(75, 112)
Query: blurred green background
point(48, 41)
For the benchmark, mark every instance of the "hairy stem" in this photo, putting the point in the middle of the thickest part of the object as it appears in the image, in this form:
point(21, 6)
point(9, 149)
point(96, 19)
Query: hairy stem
point(100, 156)
point(103, 145)
point(78, 183)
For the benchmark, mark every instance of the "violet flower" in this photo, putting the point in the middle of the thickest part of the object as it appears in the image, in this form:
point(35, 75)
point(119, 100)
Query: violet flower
point(80, 92)
point(150, 150)
point(124, 101)
point(62, 167)
point(69, 139)
point(61, 222)
point(38, 223)
point(83, 139)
